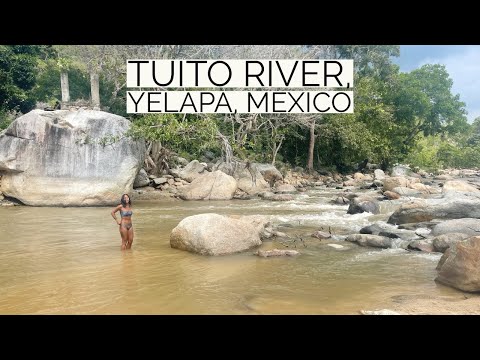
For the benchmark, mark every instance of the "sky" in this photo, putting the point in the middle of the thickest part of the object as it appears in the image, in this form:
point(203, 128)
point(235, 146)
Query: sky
point(462, 63)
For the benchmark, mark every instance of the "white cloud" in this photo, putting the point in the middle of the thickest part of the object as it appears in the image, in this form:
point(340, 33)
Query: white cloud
point(464, 69)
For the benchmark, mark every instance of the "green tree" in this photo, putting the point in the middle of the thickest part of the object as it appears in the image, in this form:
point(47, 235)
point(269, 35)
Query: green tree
point(370, 60)
point(18, 70)
point(189, 135)
point(383, 137)
point(424, 103)
point(373, 119)
point(345, 141)
point(473, 138)
point(48, 87)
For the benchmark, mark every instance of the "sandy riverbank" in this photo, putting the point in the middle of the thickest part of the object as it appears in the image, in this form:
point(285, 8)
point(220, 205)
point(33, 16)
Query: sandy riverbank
point(461, 304)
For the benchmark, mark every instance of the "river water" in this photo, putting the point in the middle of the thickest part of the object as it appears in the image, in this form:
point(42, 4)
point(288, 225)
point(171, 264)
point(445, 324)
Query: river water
point(68, 261)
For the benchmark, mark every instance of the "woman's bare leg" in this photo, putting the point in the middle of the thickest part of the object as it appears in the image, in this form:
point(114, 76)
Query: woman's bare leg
point(130, 238)
point(124, 235)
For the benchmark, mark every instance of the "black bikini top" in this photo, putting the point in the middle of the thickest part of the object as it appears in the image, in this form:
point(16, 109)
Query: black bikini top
point(126, 213)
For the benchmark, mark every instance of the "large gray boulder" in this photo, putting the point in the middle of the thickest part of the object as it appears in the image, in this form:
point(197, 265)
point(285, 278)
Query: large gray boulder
point(370, 240)
point(379, 174)
point(401, 170)
point(250, 181)
point(467, 226)
point(362, 204)
point(214, 234)
point(422, 245)
point(459, 186)
point(390, 231)
point(141, 180)
point(411, 212)
point(193, 170)
point(247, 183)
point(459, 266)
point(270, 173)
point(442, 242)
point(389, 183)
point(453, 205)
point(404, 191)
point(210, 186)
point(69, 158)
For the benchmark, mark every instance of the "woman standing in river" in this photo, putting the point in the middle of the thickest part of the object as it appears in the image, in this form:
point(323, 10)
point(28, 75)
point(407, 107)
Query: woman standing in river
point(125, 223)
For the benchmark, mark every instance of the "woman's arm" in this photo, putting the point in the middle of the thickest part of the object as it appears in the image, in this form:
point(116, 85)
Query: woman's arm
point(113, 213)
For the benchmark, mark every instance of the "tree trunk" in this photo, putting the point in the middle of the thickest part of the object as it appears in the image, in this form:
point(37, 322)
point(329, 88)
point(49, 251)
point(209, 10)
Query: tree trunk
point(95, 88)
point(64, 86)
point(275, 150)
point(311, 146)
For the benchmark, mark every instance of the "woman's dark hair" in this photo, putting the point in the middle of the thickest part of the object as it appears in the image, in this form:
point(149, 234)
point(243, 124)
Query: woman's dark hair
point(124, 203)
